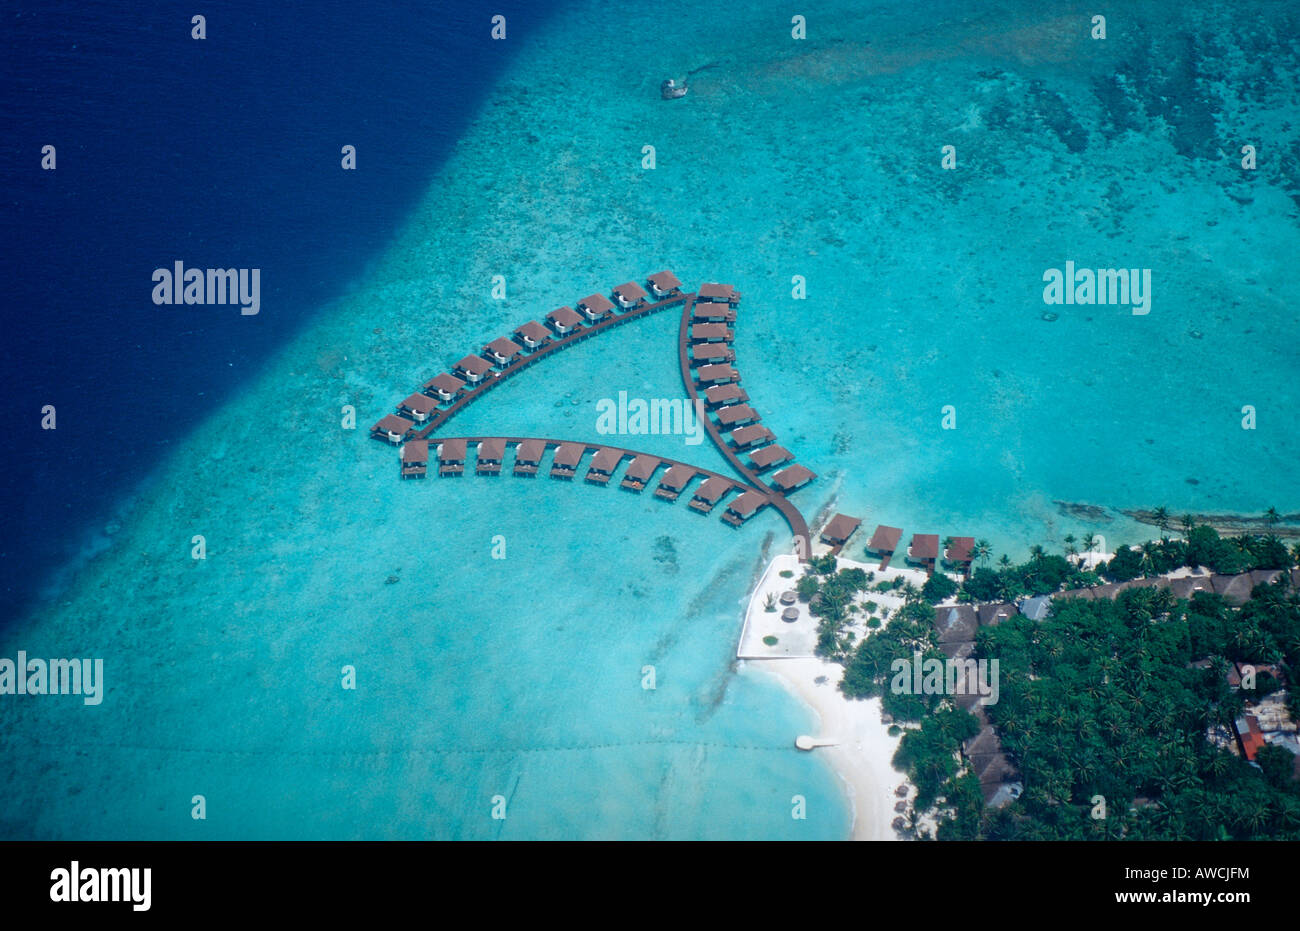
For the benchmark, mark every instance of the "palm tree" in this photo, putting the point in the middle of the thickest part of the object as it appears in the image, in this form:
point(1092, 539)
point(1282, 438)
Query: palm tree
point(982, 550)
point(1161, 517)
point(1036, 552)
point(1089, 542)
point(1188, 522)
point(1272, 517)
point(1070, 548)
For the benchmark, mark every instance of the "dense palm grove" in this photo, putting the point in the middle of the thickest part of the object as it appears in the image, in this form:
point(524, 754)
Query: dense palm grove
point(1107, 706)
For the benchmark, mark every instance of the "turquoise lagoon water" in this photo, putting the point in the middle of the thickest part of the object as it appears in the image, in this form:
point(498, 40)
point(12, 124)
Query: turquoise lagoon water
point(521, 677)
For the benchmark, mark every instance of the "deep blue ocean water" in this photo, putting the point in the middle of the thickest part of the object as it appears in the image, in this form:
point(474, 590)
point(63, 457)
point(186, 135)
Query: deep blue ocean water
point(223, 153)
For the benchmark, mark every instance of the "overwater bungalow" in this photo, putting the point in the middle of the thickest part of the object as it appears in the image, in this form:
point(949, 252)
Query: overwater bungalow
point(451, 456)
point(924, 550)
point(532, 335)
point(638, 474)
point(630, 295)
point(711, 291)
point(595, 307)
point(444, 387)
point(603, 464)
point(565, 463)
point(743, 508)
point(884, 543)
point(415, 459)
point(490, 454)
point(674, 480)
point(528, 457)
point(959, 553)
point(708, 353)
point(564, 321)
point(472, 369)
point(418, 407)
point(664, 284)
point(501, 351)
point(392, 428)
point(768, 457)
point(749, 437)
point(736, 415)
point(840, 527)
point(713, 313)
point(710, 492)
point(711, 333)
point(718, 395)
point(716, 374)
point(792, 478)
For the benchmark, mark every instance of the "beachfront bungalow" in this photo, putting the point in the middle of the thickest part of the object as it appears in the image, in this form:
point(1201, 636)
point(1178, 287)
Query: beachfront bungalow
point(502, 351)
point(1188, 586)
point(884, 543)
point(490, 453)
point(567, 457)
point(1036, 608)
point(472, 369)
point(737, 415)
point(710, 493)
point(451, 456)
point(751, 436)
point(564, 321)
point(630, 295)
point(713, 313)
point(532, 335)
point(595, 306)
point(709, 353)
point(959, 553)
point(716, 374)
point(956, 624)
point(720, 293)
point(674, 480)
point(924, 550)
point(418, 407)
point(1235, 589)
point(392, 428)
point(792, 478)
point(444, 387)
point(528, 457)
point(603, 464)
point(768, 457)
point(711, 333)
point(664, 284)
point(743, 508)
point(638, 474)
point(837, 532)
point(724, 394)
point(993, 614)
point(415, 459)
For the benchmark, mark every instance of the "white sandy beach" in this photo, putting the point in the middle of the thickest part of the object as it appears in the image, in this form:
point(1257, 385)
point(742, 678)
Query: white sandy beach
point(864, 748)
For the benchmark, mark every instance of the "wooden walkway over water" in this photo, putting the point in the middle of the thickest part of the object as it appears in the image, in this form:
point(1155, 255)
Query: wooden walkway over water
point(417, 418)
